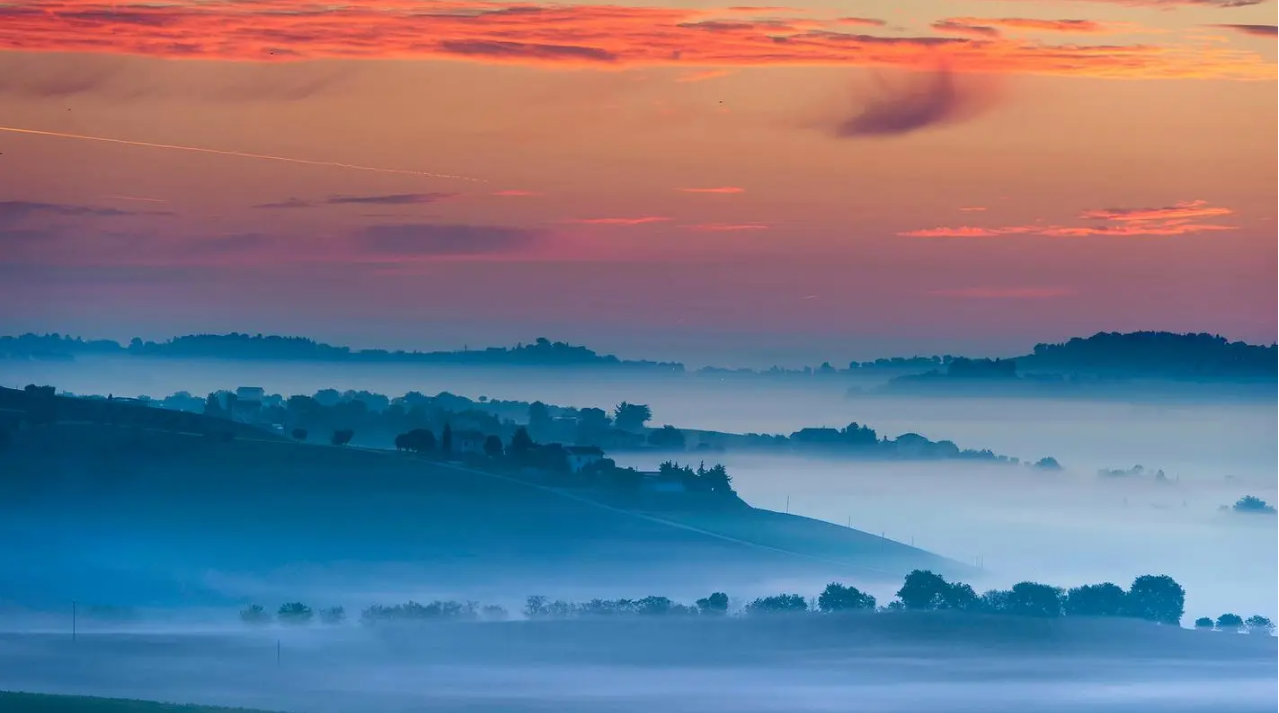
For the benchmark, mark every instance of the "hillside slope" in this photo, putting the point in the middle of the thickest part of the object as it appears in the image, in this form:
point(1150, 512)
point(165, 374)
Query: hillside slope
point(129, 506)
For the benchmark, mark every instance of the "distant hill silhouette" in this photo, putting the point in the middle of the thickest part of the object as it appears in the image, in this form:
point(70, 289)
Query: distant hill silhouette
point(1106, 355)
point(542, 352)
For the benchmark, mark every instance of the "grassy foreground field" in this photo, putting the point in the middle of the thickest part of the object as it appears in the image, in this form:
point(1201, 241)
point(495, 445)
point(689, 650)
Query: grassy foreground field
point(11, 702)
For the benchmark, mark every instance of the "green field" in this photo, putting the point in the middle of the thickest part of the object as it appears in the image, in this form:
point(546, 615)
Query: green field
point(11, 702)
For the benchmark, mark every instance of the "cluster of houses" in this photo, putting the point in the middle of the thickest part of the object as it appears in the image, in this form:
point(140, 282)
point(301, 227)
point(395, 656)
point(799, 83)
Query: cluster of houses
point(248, 401)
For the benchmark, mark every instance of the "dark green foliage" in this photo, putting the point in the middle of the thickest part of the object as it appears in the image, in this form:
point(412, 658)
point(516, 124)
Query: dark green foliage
point(493, 446)
point(255, 615)
point(418, 440)
point(1230, 622)
point(631, 417)
point(1251, 505)
point(1156, 598)
point(414, 612)
point(715, 604)
point(1203, 623)
point(927, 591)
point(294, 614)
point(667, 437)
point(837, 597)
point(1026, 599)
point(778, 604)
point(342, 436)
point(1258, 624)
point(1104, 599)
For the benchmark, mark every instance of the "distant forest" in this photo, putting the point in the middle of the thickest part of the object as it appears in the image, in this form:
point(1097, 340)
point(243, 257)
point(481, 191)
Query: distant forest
point(1106, 356)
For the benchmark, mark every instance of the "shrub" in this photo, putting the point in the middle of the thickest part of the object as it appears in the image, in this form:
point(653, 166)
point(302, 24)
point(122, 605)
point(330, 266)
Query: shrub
point(255, 615)
point(294, 614)
point(332, 616)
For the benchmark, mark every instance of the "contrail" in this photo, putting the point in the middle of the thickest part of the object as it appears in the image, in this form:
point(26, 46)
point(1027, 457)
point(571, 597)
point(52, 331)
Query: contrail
point(240, 154)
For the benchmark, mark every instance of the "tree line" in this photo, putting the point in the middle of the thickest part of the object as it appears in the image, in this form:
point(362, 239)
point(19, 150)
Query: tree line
point(1153, 598)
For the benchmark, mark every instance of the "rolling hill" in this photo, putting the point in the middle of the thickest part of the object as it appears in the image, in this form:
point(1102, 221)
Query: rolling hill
point(144, 515)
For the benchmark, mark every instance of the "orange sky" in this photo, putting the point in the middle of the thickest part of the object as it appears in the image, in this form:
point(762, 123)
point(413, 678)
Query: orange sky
point(853, 179)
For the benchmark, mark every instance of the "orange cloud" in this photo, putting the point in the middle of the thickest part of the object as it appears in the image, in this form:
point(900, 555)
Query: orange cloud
point(722, 189)
point(562, 35)
point(643, 220)
point(973, 209)
point(1177, 219)
point(724, 227)
point(516, 193)
point(1004, 293)
point(963, 28)
point(1178, 211)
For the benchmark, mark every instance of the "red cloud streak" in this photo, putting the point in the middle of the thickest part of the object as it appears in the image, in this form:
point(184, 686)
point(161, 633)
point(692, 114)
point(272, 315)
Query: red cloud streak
point(561, 35)
point(1177, 219)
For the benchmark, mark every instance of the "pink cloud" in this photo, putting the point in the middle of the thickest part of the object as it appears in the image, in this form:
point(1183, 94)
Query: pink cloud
point(724, 227)
point(973, 209)
point(642, 220)
point(515, 193)
point(721, 189)
point(967, 231)
point(1177, 219)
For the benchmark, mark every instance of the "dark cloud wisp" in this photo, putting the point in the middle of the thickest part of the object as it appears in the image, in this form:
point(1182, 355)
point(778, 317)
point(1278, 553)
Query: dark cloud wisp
point(433, 239)
point(919, 102)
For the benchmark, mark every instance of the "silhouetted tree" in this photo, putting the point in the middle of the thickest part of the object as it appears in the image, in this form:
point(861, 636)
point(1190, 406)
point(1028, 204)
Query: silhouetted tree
point(1252, 505)
point(342, 436)
point(521, 443)
point(493, 612)
point(255, 615)
point(299, 434)
point(1048, 463)
point(332, 616)
point(592, 426)
point(1203, 622)
point(1230, 622)
point(778, 604)
point(446, 440)
point(1034, 599)
point(493, 446)
point(837, 597)
point(294, 614)
point(925, 590)
point(631, 417)
point(717, 480)
point(1156, 598)
point(1104, 599)
point(540, 424)
point(1258, 624)
point(716, 604)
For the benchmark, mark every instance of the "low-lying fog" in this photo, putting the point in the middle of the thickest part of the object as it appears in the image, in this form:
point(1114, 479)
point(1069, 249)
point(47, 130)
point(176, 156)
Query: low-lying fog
point(1064, 528)
point(720, 666)
point(1222, 438)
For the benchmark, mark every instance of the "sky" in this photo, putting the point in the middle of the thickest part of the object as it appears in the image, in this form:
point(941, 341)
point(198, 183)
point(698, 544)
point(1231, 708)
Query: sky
point(662, 179)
